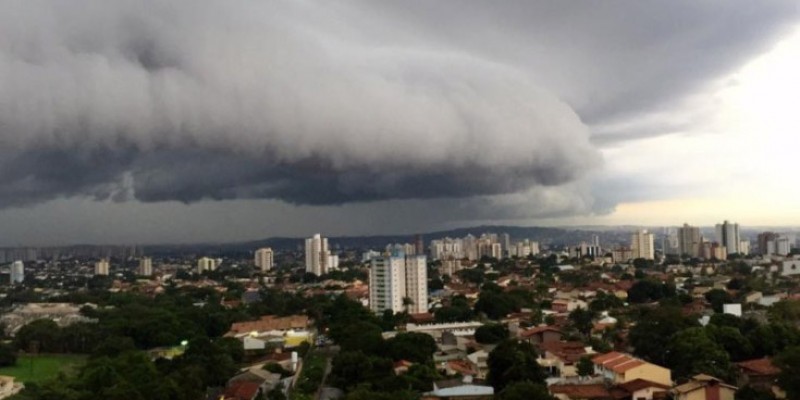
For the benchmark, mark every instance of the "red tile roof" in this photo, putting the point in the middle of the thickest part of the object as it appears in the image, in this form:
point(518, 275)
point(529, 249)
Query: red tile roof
point(241, 390)
point(759, 367)
point(593, 391)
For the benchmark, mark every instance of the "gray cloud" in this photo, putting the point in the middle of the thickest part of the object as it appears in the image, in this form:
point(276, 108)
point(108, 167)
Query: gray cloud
point(193, 100)
point(430, 112)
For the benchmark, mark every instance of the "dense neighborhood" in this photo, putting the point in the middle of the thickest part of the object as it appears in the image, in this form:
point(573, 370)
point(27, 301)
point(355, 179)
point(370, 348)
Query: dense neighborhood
point(551, 325)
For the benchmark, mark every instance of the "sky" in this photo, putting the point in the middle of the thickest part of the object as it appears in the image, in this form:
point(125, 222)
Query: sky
point(147, 121)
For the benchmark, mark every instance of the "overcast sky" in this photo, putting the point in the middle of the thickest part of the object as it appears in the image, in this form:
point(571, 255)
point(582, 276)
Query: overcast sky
point(142, 121)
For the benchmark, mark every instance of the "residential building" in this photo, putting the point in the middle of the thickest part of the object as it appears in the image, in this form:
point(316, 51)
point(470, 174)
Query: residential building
point(398, 283)
point(728, 236)
point(145, 266)
point(689, 240)
point(790, 268)
point(620, 368)
point(101, 267)
point(766, 243)
point(642, 245)
point(207, 264)
point(317, 255)
point(704, 387)
point(264, 259)
point(17, 272)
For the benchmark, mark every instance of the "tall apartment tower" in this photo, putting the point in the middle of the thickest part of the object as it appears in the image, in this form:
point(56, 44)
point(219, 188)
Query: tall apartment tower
point(101, 267)
point(689, 240)
point(206, 264)
point(145, 266)
point(264, 259)
point(642, 245)
point(17, 272)
point(728, 236)
point(398, 283)
point(317, 255)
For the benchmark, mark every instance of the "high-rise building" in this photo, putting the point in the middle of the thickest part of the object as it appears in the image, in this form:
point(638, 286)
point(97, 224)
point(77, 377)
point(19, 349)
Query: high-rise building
point(102, 267)
point(728, 236)
point(317, 255)
point(206, 264)
point(764, 239)
point(689, 240)
point(17, 272)
point(264, 259)
point(145, 266)
point(398, 283)
point(417, 284)
point(419, 245)
point(642, 245)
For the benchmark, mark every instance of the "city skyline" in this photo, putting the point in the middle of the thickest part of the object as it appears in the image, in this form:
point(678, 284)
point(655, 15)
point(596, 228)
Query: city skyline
point(382, 118)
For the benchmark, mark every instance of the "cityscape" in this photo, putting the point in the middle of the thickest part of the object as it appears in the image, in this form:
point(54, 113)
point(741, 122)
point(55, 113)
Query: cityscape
point(399, 200)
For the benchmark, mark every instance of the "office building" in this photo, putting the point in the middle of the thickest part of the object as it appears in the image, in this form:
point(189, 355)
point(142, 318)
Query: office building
point(398, 283)
point(642, 245)
point(17, 272)
point(728, 236)
point(689, 240)
point(145, 266)
point(264, 259)
point(317, 255)
point(102, 267)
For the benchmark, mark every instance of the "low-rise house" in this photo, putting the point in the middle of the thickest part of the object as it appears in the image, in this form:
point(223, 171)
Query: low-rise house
point(640, 389)
point(620, 368)
point(478, 361)
point(458, 389)
point(704, 387)
point(561, 357)
point(760, 373)
point(597, 391)
point(541, 334)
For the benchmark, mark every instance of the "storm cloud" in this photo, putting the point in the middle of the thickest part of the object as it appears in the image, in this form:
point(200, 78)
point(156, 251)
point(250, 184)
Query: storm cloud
point(192, 100)
point(444, 111)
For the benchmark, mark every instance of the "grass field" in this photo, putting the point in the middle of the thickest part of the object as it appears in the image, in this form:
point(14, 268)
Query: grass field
point(42, 367)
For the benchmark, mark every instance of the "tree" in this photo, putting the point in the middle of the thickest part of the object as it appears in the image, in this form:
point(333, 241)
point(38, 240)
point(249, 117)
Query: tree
point(351, 368)
point(525, 390)
point(653, 330)
point(491, 333)
point(789, 378)
point(646, 291)
point(582, 320)
point(737, 346)
point(717, 298)
point(585, 366)
point(512, 361)
point(692, 351)
point(8, 355)
point(412, 346)
point(495, 304)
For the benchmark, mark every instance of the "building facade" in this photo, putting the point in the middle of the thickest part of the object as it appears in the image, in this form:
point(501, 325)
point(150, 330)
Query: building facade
point(689, 240)
point(264, 259)
point(398, 283)
point(17, 272)
point(642, 245)
point(317, 255)
point(728, 236)
point(145, 266)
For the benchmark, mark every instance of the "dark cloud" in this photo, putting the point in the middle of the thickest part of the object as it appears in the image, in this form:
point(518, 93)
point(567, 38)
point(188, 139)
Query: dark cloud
point(441, 111)
point(209, 100)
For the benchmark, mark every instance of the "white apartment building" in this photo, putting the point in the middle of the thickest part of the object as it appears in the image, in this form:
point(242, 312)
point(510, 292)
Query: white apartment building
point(642, 245)
point(207, 264)
point(101, 267)
point(317, 255)
point(264, 259)
point(17, 272)
point(146, 266)
point(689, 240)
point(395, 278)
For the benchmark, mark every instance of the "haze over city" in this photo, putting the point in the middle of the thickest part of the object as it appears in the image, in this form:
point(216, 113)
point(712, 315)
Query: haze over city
point(185, 121)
